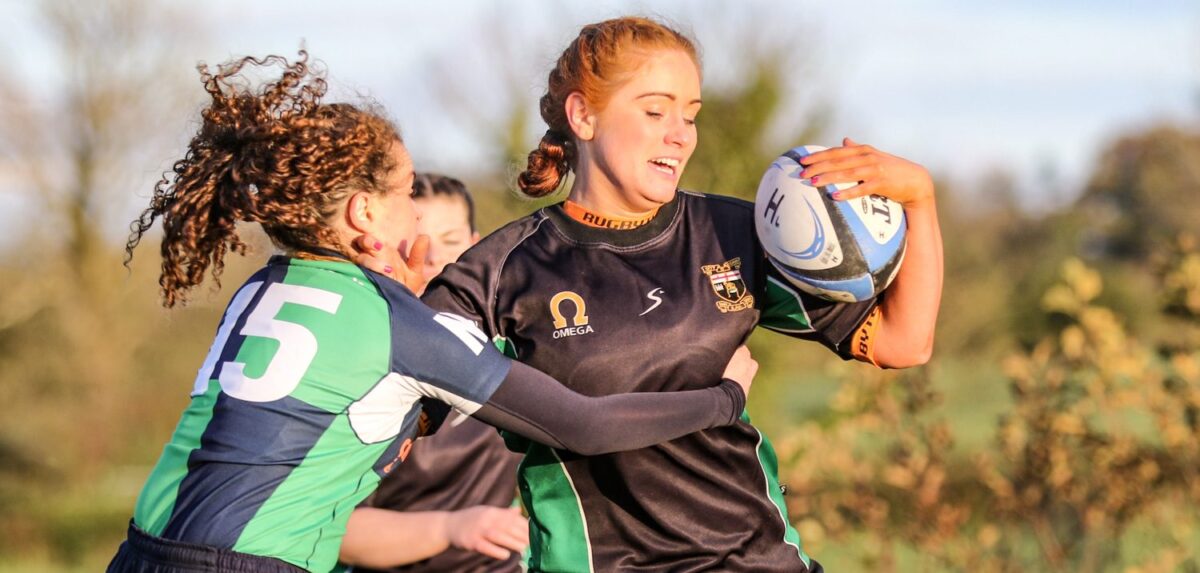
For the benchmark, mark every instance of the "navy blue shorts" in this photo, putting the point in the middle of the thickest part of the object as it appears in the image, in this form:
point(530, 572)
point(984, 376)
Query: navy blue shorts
point(145, 553)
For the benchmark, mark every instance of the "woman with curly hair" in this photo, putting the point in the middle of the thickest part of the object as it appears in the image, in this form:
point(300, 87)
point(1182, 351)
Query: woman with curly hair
point(322, 373)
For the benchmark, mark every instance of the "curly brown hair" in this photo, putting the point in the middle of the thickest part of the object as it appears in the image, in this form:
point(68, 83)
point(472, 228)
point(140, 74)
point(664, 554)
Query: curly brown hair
point(278, 157)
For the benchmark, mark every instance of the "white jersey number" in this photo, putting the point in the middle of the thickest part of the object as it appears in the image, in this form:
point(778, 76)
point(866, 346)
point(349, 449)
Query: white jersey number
point(297, 344)
point(463, 329)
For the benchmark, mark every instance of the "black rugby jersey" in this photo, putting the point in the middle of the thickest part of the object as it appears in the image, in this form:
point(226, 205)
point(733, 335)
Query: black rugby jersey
point(660, 307)
point(463, 465)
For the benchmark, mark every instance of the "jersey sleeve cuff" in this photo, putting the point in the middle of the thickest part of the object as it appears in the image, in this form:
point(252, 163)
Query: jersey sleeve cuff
point(862, 342)
point(738, 398)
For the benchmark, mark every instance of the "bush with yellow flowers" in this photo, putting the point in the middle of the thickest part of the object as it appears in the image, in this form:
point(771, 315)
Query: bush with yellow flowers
point(1094, 466)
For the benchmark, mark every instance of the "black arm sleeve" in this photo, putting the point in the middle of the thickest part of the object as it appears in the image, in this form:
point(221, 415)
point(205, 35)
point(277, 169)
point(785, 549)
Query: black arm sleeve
point(538, 407)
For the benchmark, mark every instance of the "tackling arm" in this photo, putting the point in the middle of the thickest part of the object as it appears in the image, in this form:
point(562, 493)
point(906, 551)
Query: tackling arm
point(536, 406)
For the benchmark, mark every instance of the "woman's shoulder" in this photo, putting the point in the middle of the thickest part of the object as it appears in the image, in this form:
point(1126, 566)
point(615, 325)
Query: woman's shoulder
point(508, 238)
point(483, 263)
point(717, 204)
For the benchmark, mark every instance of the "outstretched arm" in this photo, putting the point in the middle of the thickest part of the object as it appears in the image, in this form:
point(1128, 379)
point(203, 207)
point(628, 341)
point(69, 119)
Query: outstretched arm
point(910, 306)
point(447, 358)
point(536, 406)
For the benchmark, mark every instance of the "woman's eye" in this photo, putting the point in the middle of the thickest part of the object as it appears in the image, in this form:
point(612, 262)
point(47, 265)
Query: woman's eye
point(654, 114)
point(689, 121)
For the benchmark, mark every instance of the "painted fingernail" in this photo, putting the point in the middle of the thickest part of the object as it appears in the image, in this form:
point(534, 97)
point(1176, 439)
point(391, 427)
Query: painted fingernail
point(378, 245)
point(837, 196)
point(387, 269)
point(816, 179)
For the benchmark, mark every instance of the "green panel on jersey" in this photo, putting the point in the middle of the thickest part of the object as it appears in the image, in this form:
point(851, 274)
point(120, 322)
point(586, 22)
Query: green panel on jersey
point(256, 353)
point(337, 460)
point(346, 359)
point(505, 346)
point(783, 309)
point(558, 538)
point(156, 503)
point(770, 467)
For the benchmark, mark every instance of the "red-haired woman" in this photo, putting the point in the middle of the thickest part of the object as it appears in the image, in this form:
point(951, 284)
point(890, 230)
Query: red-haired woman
point(615, 291)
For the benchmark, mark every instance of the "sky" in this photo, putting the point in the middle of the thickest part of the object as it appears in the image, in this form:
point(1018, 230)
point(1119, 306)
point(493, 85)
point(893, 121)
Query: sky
point(1036, 88)
point(1033, 87)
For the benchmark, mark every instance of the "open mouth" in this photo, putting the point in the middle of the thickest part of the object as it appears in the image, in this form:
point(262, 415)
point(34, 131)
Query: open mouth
point(665, 165)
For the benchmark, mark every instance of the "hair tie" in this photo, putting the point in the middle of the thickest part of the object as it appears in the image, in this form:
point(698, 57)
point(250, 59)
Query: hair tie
point(567, 144)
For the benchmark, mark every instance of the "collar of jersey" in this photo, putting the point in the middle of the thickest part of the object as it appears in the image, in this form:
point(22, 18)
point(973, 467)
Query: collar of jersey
point(584, 233)
point(597, 219)
point(336, 263)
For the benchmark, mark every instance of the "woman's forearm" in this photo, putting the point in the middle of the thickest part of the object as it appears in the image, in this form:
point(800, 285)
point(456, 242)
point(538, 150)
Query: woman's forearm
point(381, 538)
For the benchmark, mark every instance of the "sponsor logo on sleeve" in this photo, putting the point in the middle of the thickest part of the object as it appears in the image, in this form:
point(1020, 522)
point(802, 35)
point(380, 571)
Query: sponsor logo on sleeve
point(864, 338)
point(727, 283)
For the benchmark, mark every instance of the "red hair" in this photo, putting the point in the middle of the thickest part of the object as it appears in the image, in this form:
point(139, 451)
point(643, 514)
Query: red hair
point(596, 64)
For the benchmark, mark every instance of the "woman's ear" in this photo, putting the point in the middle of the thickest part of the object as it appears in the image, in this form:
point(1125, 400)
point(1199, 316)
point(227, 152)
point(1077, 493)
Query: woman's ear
point(580, 117)
point(358, 211)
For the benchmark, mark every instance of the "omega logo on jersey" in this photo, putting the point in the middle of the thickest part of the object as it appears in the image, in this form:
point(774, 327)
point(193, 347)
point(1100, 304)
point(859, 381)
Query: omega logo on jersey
point(727, 283)
point(579, 322)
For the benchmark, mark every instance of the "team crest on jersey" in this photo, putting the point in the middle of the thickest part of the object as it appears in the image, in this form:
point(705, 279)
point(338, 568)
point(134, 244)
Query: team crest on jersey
point(577, 324)
point(726, 280)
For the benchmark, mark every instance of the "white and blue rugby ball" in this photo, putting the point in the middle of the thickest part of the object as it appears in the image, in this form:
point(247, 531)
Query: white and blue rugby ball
point(839, 250)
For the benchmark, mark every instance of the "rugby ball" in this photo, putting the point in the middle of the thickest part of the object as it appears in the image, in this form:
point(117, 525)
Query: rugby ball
point(839, 250)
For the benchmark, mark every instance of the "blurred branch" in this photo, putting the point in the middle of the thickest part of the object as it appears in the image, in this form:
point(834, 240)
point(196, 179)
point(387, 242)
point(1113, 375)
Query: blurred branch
point(1143, 191)
point(755, 105)
point(73, 143)
point(74, 134)
point(509, 78)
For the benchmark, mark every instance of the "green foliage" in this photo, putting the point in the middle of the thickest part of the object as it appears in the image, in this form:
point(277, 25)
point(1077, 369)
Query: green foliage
point(93, 375)
point(1143, 192)
point(733, 129)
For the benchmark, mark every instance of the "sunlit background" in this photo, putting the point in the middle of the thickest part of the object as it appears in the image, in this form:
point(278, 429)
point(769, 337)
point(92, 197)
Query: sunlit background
point(1055, 430)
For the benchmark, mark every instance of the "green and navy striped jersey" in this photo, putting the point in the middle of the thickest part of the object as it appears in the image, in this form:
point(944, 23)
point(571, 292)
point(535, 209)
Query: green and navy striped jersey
point(318, 379)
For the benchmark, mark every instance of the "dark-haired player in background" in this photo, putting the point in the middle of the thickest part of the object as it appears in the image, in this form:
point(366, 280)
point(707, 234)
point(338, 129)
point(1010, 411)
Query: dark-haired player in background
point(450, 510)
